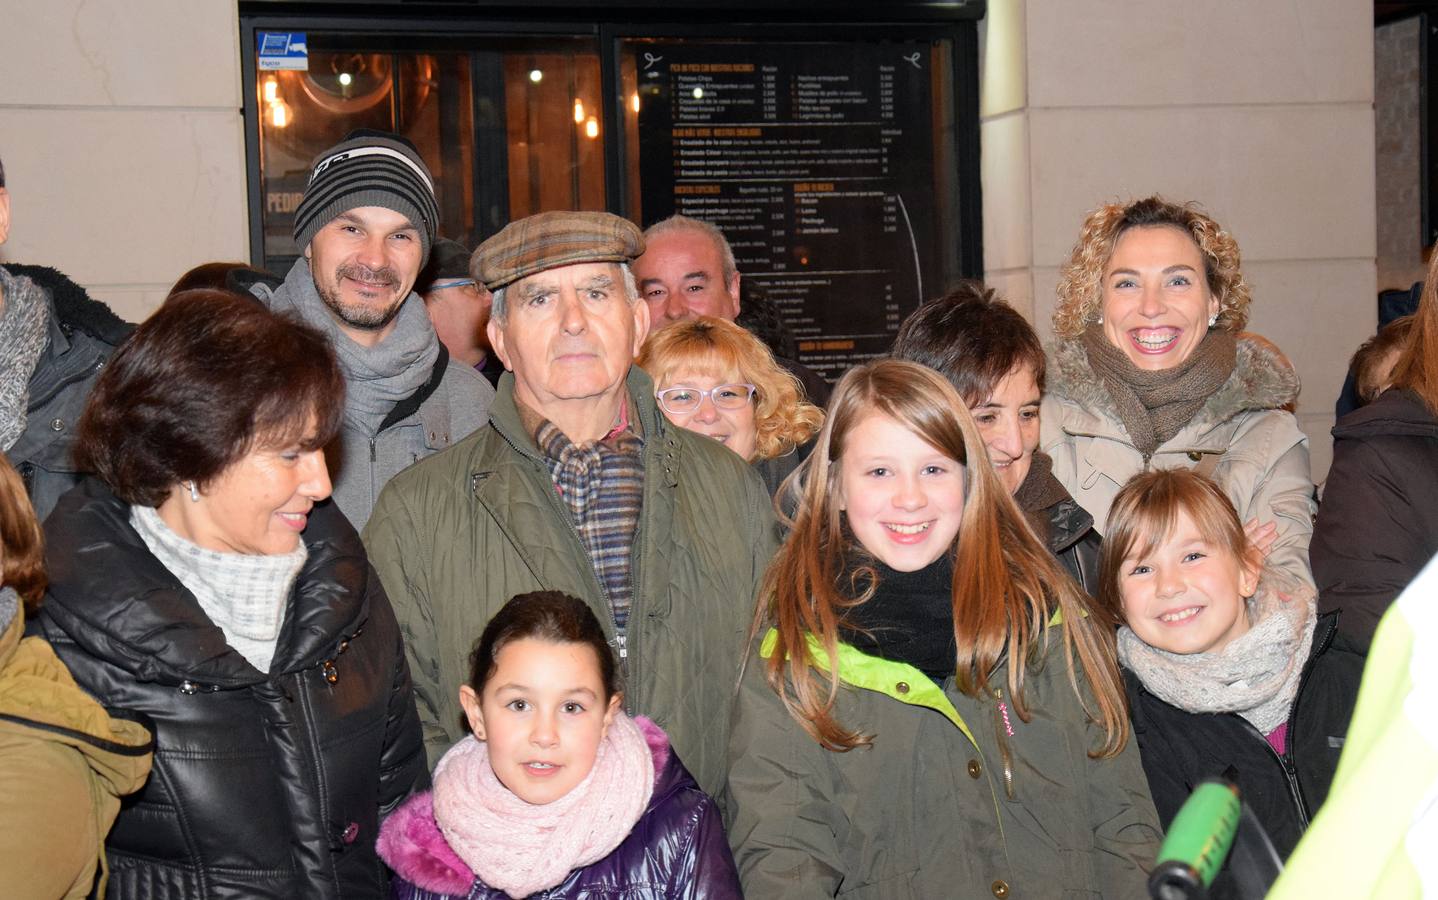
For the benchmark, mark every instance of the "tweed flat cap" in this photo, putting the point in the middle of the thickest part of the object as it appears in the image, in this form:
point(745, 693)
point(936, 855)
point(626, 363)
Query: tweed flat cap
point(551, 239)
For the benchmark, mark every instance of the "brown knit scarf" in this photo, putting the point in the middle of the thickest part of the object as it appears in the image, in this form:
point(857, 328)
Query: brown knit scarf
point(1156, 405)
point(1040, 491)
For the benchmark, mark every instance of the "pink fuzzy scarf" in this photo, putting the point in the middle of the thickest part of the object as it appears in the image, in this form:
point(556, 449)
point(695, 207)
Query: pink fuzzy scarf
point(521, 848)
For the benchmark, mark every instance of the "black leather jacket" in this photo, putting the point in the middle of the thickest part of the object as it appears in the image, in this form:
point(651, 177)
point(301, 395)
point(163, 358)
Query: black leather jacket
point(264, 785)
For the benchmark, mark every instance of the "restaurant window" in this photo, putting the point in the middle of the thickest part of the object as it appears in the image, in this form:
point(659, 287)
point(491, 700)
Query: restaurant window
point(508, 127)
point(840, 159)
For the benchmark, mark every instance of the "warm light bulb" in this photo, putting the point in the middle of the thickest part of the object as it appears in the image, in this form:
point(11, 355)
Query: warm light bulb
point(272, 89)
point(536, 76)
point(279, 114)
point(346, 78)
point(591, 128)
point(578, 110)
point(698, 93)
point(634, 101)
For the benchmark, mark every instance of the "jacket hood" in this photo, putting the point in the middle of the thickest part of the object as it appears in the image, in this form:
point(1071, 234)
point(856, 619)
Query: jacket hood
point(40, 700)
point(74, 307)
point(1262, 378)
point(1398, 412)
point(118, 602)
point(411, 843)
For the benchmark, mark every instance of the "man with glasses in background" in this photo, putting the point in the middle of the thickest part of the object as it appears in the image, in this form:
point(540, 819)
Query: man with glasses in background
point(458, 307)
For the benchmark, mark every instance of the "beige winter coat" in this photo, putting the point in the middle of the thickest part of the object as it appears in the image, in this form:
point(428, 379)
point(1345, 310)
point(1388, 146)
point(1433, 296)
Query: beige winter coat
point(1263, 456)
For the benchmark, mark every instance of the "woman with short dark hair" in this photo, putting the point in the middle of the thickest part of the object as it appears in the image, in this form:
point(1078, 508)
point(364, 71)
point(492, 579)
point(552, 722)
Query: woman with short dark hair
point(992, 356)
point(203, 581)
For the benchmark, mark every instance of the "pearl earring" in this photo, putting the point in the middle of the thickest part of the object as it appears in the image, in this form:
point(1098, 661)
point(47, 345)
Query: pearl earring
point(194, 493)
point(1099, 320)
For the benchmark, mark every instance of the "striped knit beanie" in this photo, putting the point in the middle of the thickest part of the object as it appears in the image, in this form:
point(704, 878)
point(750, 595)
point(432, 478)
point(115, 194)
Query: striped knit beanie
point(369, 168)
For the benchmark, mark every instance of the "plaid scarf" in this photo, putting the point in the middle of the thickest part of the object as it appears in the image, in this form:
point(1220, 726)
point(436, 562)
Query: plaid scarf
point(602, 484)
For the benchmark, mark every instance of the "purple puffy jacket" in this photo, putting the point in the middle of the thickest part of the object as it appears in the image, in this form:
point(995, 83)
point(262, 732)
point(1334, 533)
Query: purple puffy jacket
point(677, 849)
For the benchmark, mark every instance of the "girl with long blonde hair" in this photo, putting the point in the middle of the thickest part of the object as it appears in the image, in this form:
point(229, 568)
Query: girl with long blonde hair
point(931, 708)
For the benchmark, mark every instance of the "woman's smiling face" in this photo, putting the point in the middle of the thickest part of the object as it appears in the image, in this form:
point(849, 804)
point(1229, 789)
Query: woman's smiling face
point(1156, 300)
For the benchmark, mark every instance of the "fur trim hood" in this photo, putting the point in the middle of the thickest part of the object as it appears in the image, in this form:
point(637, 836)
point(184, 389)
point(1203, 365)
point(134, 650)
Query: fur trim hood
point(1262, 379)
point(411, 843)
point(74, 307)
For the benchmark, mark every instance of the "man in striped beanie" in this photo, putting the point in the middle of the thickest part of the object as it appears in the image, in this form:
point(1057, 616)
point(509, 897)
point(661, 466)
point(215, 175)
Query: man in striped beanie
point(365, 226)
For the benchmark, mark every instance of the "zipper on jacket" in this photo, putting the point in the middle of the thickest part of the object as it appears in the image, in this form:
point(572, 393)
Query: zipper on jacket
point(1290, 776)
point(371, 449)
point(1003, 730)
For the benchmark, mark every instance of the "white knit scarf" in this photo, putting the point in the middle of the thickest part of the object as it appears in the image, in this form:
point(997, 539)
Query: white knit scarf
point(521, 848)
point(1256, 675)
point(24, 324)
point(244, 594)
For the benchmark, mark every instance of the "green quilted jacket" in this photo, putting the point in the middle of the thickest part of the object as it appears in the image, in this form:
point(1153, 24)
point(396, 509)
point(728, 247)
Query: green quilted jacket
point(956, 798)
point(458, 534)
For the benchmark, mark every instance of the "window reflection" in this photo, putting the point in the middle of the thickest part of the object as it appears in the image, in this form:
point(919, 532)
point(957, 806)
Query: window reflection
point(508, 128)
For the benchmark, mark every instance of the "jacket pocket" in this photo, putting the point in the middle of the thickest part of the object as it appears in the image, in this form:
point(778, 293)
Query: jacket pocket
point(896, 887)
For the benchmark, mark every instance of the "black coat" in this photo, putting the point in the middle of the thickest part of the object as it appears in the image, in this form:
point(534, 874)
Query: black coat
point(1073, 540)
point(264, 785)
point(1065, 527)
point(1378, 523)
point(1181, 748)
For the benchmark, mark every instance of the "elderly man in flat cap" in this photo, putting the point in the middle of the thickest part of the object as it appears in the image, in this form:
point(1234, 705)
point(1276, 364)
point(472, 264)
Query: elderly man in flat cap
point(579, 484)
point(366, 225)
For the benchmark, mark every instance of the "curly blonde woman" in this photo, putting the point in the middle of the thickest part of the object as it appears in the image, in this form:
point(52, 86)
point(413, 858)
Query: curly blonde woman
point(713, 377)
point(1152, 370)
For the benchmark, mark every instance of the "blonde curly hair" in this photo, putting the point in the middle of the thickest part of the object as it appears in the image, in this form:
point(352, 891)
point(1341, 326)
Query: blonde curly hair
point(718, 347)
point(1080, 289)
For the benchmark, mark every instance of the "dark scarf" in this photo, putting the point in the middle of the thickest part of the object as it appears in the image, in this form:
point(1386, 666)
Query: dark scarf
point(909, 619)
point(1039, 492)
point(1155, 406)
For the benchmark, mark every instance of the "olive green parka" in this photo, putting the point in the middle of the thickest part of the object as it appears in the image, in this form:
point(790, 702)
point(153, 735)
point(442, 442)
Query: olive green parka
point(457, 535)
point(956, 797)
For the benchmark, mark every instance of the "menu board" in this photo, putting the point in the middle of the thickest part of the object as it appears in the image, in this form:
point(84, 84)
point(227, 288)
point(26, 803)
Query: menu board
point(816, 160)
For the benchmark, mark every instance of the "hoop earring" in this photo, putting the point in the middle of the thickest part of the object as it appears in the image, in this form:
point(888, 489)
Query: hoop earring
point(194, 493)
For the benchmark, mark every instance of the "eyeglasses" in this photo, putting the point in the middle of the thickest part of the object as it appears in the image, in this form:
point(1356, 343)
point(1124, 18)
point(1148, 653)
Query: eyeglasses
point(451, 283)
point(683, 400)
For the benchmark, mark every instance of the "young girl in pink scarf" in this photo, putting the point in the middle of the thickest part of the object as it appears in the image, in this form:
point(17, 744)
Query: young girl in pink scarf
point(558, 791)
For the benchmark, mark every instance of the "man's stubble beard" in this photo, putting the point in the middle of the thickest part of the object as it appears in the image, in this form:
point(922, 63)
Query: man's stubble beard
point(359, 315)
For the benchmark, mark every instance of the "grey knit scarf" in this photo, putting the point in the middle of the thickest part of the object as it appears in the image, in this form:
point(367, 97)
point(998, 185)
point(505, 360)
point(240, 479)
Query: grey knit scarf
point(378, 377)
point(1156, 405)
point(244, 594)
point(1255, 676)
point(24, 327)
point(9, 606)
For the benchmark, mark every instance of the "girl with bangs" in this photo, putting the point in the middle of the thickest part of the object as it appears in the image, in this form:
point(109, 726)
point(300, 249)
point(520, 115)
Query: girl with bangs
point(929, 710)
point(1229, 670)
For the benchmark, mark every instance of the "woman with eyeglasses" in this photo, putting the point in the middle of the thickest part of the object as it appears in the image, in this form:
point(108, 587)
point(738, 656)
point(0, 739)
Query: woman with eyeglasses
point(715, 378)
